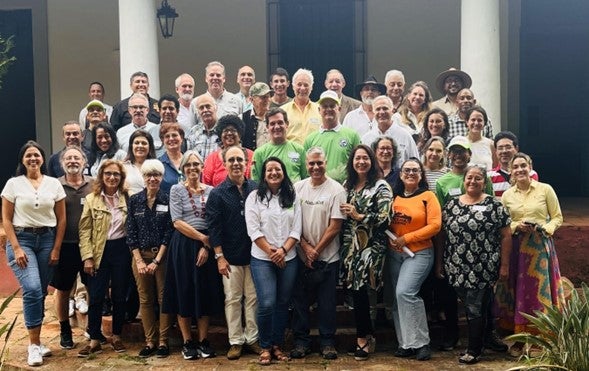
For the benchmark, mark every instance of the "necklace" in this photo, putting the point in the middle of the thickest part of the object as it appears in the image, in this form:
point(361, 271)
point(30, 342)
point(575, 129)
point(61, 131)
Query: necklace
point(407, 194)
point(198, 213)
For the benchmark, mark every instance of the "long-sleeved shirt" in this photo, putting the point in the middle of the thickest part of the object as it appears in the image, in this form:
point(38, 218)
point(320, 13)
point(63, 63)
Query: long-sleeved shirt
point(148, 227)
point(417, 218)
point(538, 204)
point(226, 220)
point(277, 224)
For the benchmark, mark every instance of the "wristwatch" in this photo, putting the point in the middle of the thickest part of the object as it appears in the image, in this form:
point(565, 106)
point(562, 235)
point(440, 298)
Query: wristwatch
point(218, 255)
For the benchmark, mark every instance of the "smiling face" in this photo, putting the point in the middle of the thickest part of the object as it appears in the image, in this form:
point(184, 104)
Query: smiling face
point(453, 84)
point(335, 81)
point(185, 88)
point(279, 84)
point(235, 162)
point(73, 162)
point(383, 111)
point(168, 111)
point(273, 175)
point(395, 87)
point(465, 100)
point(96, 92)
point(261, 104)
point(152, 181)
point(95, 115)
point(140, 84)
point(192, 168)
point(416, 98)
point(230, 136)
point(103, 140)
point(72, 135)
point(245, 78)
point(329, 111)
point(459, 157)
point(505, 151)
point(316, 167)
point(140, 148)
point(384, 151)
point(361, 163)
point(411, 174)
point(215, 79)
point(207, 110)
point(475, 122)
point(277, 128)
point(436, 124)
point(302, 87)
point(172, 140)
point(474, 181)
point(32, 159)
point(111, 178)
point(434, 154)
point(138, 109)
point(520, 169)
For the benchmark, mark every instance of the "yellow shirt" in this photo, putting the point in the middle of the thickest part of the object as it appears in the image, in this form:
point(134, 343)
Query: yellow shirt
point(538, 204)
point(301, 123)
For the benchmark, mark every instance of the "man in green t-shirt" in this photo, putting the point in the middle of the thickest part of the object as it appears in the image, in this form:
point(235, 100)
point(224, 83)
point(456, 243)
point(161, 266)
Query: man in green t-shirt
point(289, 152)
point(337, 141)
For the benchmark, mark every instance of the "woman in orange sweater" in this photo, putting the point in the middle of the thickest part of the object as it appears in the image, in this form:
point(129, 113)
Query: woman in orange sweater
point(417, 218)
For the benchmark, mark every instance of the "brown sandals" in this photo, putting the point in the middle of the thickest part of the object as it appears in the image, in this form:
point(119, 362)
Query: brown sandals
point(278, 355)
point(265, 357)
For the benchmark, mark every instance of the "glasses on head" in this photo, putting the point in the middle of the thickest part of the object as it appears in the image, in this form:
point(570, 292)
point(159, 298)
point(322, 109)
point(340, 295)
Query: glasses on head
point(113, 174)
point(409, 170)
point(138, 108)
point(236, 159)
point(152, 175)
point(230, 130)
point(192, 164)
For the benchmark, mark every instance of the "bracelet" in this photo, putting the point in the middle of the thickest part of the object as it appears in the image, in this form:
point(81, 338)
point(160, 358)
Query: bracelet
point(155, 261)
point(283, 249)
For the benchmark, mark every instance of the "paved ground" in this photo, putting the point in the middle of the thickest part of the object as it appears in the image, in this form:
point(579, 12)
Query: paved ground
point(109, 360)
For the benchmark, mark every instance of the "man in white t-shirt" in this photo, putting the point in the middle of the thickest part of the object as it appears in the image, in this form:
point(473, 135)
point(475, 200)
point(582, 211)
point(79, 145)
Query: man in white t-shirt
point(320, 198)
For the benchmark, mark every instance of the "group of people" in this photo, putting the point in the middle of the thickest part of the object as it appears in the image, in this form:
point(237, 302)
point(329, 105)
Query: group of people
point(256, 204)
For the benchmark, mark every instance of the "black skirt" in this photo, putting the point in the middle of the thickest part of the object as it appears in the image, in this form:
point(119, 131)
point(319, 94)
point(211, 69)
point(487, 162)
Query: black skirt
point(191, 291)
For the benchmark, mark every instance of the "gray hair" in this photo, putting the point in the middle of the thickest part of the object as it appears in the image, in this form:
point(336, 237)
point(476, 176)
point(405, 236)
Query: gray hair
point(303, 72)
point(392, 73)
point(315, 150)
point(333, 70)
point(179, 78)
point(214, 63)
point(152, 166)
point(77, 148)
point(139, 95)
point(187, 155)
point(383, 97)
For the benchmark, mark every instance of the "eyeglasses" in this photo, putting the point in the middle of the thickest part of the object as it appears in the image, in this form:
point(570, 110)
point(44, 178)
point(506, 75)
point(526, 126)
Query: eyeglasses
point(229, 130)
point(138, 108)
point(236, 159)
point(192, 164)
point(409, 170)
point(108, 174)
point(385, 149)
point(152, 175)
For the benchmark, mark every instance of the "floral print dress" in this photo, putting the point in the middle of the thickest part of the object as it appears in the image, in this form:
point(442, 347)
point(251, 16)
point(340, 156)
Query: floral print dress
point(364, 242)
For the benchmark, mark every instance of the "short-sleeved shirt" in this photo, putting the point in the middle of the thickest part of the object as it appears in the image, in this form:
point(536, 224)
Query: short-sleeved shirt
point(451, 185)
point(473, 244)
point(301, 123)
point(74, 204)
point(292, 155)
point(188, 207)
point(33, 207)
point(318, 206)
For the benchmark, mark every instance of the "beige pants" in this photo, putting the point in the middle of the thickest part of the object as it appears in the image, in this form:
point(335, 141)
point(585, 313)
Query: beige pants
point(240, 284)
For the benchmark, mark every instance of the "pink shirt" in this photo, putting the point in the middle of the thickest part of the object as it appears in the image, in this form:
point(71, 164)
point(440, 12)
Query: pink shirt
point(214, 172)
point(116, 229)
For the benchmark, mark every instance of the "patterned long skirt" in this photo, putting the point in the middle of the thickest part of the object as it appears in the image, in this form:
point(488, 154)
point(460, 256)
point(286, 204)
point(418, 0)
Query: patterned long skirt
point(534, 282)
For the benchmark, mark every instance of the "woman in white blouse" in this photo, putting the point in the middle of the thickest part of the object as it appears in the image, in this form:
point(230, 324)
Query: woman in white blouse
point(274, 225)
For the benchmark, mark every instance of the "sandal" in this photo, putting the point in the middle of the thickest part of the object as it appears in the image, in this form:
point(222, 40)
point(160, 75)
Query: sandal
point(469, 358)
point(279, 355)
point(265, 357)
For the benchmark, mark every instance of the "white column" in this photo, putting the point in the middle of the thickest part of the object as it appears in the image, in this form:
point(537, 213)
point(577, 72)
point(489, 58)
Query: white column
point(138, 30)
point(479, 54)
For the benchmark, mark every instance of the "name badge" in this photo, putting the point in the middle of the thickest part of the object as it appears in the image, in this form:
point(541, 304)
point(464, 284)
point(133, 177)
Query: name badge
point(162, 208)
point(478, 208)
point(454, 192)
point(82, 201)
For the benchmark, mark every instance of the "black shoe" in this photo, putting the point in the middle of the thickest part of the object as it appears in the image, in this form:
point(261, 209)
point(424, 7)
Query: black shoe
point(299, 352)
point(404, 353)
point(66, 341)
point(361, 353)
point(147, 351)
point(448, 344)
point(329, 352)
point(424, 353)
point(204, 349)
point(494, 342)
point(189, 350)
point(162, 351)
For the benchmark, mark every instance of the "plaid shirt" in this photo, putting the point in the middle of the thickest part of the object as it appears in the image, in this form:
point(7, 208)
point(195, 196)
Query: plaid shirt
point(458, 127)
point(203, 141)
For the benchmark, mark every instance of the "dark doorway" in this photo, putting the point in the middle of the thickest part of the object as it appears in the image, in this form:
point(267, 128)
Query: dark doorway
point(17, 95)
point(554, 86)
point(318, 35)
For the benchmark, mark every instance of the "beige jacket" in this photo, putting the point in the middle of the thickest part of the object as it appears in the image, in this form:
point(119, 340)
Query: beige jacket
point(94, 225)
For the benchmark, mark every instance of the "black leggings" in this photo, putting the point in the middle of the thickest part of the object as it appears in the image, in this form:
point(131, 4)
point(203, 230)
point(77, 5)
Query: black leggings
point(362, 312)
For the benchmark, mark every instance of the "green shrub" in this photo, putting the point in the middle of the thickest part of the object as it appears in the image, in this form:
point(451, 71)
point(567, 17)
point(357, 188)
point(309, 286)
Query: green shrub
point(6, 328)
point(563, 336)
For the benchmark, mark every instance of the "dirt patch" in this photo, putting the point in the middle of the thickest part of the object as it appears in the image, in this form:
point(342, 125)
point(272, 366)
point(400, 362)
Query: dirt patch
point(572, 249)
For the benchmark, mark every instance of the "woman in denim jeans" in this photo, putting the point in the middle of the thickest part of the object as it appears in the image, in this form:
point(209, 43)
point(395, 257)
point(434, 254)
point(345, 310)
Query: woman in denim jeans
point(33, 216)
point(274, 224)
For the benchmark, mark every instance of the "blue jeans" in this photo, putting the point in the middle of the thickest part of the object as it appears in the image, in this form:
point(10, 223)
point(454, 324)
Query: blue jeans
point(35, 277)
point(407, 275)
point(273, 290)
point(325, 294)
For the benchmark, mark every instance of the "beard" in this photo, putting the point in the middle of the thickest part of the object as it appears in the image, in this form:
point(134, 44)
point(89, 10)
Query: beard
point(367, 100)
point(73, 170)
point(186, 97)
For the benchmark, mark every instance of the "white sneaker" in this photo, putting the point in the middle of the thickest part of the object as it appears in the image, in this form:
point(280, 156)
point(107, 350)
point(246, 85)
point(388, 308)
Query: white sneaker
point(35, 357)
point(71, 309)
point(81, 305)
point(45, 351)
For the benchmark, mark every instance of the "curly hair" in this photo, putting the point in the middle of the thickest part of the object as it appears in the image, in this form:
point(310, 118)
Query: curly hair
point(230, 120)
